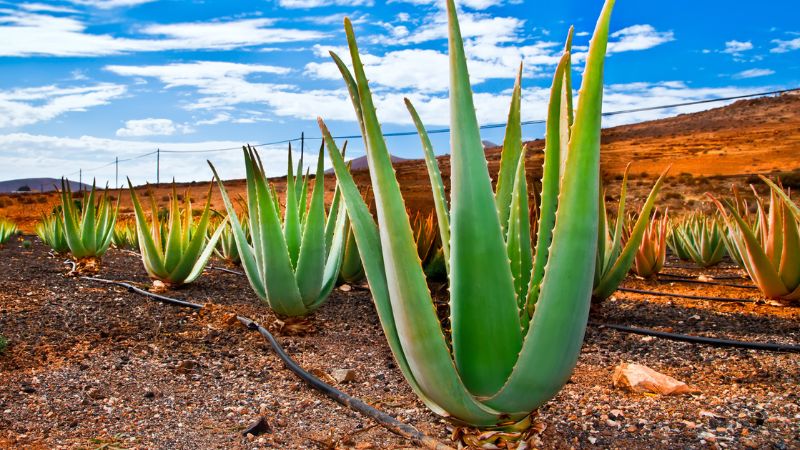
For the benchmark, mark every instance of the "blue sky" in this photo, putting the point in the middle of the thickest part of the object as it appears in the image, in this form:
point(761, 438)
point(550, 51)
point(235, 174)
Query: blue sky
point(85, 81)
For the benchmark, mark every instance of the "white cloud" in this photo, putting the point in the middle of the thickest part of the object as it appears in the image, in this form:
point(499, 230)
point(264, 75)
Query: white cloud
point(477, 26)
point(26, 106)
point(736, 47)
point(638, 37)
point(306, 4)
point(109, 4)
point(753, 73)
point(785, 46)
point(618, 97)
point(472, 4)
point(29, 34)
point(43, 7)
point(152, 127)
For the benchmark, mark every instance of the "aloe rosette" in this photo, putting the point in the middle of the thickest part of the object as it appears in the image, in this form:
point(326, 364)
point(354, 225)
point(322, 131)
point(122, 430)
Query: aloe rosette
point(125, 236)
point(50, 230)
point(771, 255)
point(88, 232)
point(518, 317)
point(615, 258)
point(7, 230)
point(292, 264)
point(652, 252)
point(701, 238)
point(174, 252)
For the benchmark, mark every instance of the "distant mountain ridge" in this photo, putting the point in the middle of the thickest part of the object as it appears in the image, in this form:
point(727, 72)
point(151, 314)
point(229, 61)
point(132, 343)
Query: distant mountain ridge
point(38, 185)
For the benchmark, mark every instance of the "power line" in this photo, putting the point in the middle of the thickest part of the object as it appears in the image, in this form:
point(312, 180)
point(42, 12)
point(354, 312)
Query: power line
point(447, 130)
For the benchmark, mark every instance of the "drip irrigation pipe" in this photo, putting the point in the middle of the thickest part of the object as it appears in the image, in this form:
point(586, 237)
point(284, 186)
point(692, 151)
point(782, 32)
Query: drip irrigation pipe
point(716, 342)
point(715, 277)
point(715, 283)
point(693, 297)
point(385, 420)
point(223, 269)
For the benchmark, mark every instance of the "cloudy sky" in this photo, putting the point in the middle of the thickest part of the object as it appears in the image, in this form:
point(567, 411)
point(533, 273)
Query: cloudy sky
point(86, 81)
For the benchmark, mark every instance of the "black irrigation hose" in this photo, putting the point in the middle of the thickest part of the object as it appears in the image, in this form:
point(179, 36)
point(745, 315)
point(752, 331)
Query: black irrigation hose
point(716, 342)
point(715, 283)
point(715, 277)
point(223, 269)
point(385, 420)
point(694, 297)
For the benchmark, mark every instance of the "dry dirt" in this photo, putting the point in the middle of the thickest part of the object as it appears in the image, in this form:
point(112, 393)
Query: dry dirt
point(95, 366)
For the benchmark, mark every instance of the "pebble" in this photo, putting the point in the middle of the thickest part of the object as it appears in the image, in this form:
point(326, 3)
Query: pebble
point(344, 375)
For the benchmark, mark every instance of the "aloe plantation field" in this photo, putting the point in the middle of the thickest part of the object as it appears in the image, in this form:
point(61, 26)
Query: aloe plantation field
point(609, 288)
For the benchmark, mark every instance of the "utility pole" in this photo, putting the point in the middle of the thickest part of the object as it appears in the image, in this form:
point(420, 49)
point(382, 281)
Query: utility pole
point(158, 166)
point(80, 179)
point(302, 143)
point(116, 172)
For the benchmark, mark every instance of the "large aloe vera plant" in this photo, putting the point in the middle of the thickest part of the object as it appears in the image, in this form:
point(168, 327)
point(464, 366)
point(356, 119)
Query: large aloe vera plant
point(292, 263)
point(614, 259)
point(772, 259)
point(518, 317)
point(50, 230)
point(88, 232)
point(174, 252)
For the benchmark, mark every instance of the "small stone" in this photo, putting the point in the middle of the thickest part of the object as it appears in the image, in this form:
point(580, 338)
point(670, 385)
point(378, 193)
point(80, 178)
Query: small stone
point(258, 427)
point(344, 375)
point(592, 440)
point(345, 288)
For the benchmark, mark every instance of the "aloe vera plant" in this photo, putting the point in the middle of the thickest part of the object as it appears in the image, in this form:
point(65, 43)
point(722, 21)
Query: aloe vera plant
point(226, 245)
point(352, 271)
point(7, 230)
point(50, 230)
point(174, 252)
point(293, 263)
point(701, 238)
point(652, 252)
point(429, 245)
point(772, 259)
point(509, 351)
point(125, 236)
point(88, 232)
point(614, 260)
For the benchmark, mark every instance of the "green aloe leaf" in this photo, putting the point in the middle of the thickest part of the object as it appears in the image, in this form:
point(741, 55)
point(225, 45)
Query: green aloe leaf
point(480, 288)
point(553, 342)
point(435, 176)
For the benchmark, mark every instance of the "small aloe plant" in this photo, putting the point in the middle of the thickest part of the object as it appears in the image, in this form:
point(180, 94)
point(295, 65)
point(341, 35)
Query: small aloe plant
point(352, 271)
point(652, 252)
point(125, 236)
point(88, 232)
point(226, 246)
point(50, 230)
point(7, 230)
point(772, 259)
point(174, 252)
point(701, 238)
point(614, 260)
point(518, 317)
point(292, 264)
